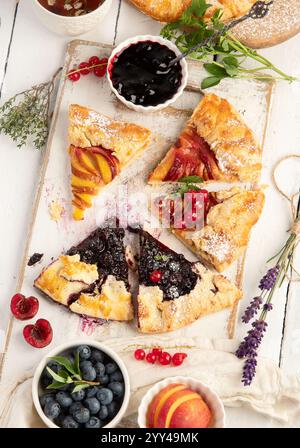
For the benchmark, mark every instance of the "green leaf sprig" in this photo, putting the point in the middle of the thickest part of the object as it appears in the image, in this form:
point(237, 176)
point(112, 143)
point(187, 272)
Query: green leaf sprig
point(26, 115)
point(69, 373)
point(191, 29)
point(188, 183)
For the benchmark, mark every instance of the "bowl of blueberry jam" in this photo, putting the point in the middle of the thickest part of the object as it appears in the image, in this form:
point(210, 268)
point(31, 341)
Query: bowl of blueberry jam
point(141, 73)
point(81, 385)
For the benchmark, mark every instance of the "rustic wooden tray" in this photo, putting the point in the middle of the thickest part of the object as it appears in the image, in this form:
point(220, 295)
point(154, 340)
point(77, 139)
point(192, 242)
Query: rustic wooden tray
point(252, 98)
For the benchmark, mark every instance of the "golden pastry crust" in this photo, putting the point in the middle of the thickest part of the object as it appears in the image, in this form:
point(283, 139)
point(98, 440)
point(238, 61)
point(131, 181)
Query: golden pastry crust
point(171, 10)
point(99, 149)
point(212, 293)
point(90, 128)
point(68, 277)
point(234, 154)
point(227, 230)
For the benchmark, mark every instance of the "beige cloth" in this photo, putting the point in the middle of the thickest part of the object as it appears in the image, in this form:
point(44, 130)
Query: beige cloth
point(273, 393)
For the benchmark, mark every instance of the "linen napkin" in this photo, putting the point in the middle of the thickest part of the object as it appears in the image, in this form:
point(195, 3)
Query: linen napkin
point(272, 393)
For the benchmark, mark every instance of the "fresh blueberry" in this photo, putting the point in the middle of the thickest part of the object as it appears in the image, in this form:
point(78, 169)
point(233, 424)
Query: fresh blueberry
point(85, 364)
point(117, 388)
point(64, 399)
point(84, 352)
point(105, 396)
point(52, 409)
point(92, 404)
point(79, 395)
point(110, 368)
point(100, 368)
point(82, 415)
point(103, 413)
point(103, 379)
point(69, 422)
point(91, 391)
point(46, 380)
point(116, 376)
point(88, 373)
point(75, 407)
point(97, 356)
point(112, 408)
point(47, 398)
point(93, 422)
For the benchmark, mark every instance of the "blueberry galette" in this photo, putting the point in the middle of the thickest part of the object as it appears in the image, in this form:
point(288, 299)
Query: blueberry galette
point(174, 292)
point(99, 149)
point(92, 277)
point(227, 218)
point(216, 144)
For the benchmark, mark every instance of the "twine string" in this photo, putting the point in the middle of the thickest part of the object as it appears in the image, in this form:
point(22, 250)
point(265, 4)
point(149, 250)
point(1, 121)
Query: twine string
point(295, 228)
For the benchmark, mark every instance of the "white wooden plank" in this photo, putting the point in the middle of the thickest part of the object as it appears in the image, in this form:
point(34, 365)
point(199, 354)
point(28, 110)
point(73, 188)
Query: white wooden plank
point(7, 15)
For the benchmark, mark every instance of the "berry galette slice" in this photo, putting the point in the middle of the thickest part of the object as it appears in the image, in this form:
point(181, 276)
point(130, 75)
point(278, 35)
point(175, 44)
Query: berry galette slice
point(174, 292)
point(216, 144)
point(92, 277)
point(227, 218)
point(100, 148)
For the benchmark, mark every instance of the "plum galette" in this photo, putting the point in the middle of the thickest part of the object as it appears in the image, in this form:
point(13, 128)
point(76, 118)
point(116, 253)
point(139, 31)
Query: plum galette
point(216, 144)
point(227, 218)
point(92, 277)
point(174, 292)
point(100, 148)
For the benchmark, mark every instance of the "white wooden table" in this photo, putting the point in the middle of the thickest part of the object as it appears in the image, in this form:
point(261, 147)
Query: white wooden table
point(30, 54)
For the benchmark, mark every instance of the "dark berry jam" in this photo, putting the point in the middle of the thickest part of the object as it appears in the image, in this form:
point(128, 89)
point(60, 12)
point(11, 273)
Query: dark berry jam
point(176, 275)
point(141, 73)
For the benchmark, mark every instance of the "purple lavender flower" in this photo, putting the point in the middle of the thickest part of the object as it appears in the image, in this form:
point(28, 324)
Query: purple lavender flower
point(249, 371)
point(268, 306)
point(248, 347)
point(268, 281)
point(252, 309)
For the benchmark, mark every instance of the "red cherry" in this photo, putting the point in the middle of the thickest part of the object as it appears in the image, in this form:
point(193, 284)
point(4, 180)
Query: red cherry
point(165, 358)
point(24, 308)
point(151, 358)
point(94, 60)
point(178, 358)
point(139, 354)
point(84, 68)
point(155, 276)
point(38, 335)
point(74, 76)
point(157, 352)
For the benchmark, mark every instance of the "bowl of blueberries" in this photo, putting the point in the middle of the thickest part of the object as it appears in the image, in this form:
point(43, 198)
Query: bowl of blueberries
point(81, 385)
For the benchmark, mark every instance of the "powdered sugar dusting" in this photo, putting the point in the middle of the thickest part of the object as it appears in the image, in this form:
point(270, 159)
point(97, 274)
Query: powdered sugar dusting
point(217, 245)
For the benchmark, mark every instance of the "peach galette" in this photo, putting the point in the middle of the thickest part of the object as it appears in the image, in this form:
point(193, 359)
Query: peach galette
point(227, 218)
point(174, 292)
point(216, 144)
point(99, 149)
point(92, 277)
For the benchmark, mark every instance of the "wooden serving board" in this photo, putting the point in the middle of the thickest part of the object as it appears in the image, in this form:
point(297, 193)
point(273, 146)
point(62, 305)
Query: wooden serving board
point(252, 98)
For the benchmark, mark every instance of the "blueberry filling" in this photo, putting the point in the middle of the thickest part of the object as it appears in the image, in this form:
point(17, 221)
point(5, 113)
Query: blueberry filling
point(160, 266)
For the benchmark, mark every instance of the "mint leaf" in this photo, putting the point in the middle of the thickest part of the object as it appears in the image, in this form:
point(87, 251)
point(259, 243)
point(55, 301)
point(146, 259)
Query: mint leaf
point(56, 376)
point(210, 81)
point(65, 362)
point(76, 364)
point(79, 386)
point(230, 61)
point(215, 70)
point(55, 385)
point(190, 179)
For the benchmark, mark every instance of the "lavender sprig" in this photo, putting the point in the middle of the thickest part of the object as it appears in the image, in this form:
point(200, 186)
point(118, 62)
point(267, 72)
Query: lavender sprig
point(272, 280)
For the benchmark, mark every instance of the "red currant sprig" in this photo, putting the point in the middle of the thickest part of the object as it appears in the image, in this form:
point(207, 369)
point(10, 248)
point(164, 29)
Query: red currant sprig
point(157, 354)
point(93, 65)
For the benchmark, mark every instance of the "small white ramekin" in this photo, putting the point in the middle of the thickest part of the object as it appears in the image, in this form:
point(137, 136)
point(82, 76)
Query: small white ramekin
point(208, 395)
point(64, 348)
point(71, 26)
point(134, 40)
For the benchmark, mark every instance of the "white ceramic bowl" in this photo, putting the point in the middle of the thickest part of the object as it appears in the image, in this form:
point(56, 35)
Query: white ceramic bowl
point(36, 388)
point(71, 26)
point(134, 40)
point(209, 396)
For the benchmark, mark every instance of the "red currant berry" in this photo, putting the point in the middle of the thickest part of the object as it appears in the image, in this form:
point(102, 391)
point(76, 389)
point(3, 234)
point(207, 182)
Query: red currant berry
point(157, 351)
point(155, 276)
point(84, 68)
point(94, 60)
point(99, 71)
point(151, 358)
point(74, 76)
point(178, 358)
point(165, 358)
point(139, 354)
